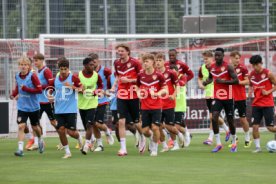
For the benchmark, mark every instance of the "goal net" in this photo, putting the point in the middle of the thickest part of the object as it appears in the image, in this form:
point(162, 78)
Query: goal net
point(189, 47)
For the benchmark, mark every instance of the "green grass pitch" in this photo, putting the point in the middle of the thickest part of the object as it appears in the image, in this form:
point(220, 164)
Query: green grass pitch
point(195, 164)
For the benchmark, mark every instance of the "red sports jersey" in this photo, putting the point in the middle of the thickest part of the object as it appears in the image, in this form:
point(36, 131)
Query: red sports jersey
point(182, 68)
point(129, 69)
point(259, 82)
point(239, 92)
point(146, 83)
point(221, 91)
point(171, 81)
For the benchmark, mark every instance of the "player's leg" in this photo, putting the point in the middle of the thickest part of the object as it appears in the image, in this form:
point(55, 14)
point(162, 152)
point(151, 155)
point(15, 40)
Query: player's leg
point(122, 111)
point(182, 127)
point(88, 118)
point(163, 133)
point(130, 125)
point(97, 132)
point(71, 126)
point(34, 146)
point(62, 134)
point(49, 109)
point(223, 125)
point(209, 140)
point(241, 106)
point(155, 119)
point(98, 137)
point(169, 125)
point(21, 121)
point(134, 112)
point(101, 125)
point(29, 136)
point(217, 106)
point(257, 115)
point(50, 113)
point(115, 120)
point(146, 123)
point(229, 111)
point(34, 119)
point(269, 119)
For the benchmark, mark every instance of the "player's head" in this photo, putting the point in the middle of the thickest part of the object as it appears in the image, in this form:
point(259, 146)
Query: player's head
point(95, 59)
point(38, 60)
point(88, 64)
point(63, 65)
point(256, 62)
point(154, 53)
point(140, 57)
point(25, 64)
point(235, 57)
point(207, 57)
point(219, 54)
point(159, 60)
point(172, 55)
point(148, 61)
point(123, 50)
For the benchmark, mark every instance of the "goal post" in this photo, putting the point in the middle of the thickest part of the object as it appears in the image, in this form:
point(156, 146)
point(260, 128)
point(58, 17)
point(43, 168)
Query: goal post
point(189, 46)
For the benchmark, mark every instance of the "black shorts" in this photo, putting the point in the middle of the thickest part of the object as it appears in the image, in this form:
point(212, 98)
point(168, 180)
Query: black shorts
point(68, 120)
point(115, 118)
point(179, 118)
point(49, 109)
point(151, 116)
point(168, 116)
point(241, 107)
point(100, 112)
point(23, 116)
point(209, 104)
point(227, 105)
point(259, 112)
point(129, 107)
point(87, 116)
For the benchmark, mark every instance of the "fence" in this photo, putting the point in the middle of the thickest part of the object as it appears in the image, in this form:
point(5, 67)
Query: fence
point(29, 18)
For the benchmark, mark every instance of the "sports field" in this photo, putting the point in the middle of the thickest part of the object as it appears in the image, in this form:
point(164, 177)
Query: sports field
point(195, 164)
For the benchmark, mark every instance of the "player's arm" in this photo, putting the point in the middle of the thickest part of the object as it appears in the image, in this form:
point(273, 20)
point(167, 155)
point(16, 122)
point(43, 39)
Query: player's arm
point(245, 76)
point(182, 80)
point(232, 74)
point(125, 79)
point(162, 92)
point(189, 73)
point(49, 77)
point(114, 86)
point(99, 91)
point(273, 81)
point(175, 82)
point(37, 86)
point(209, 80)
point(14, 93)
point(250, 91)
point(244, 82)
point(76, 83)
point(200, 79)
point(137, 87)
point(164, 88)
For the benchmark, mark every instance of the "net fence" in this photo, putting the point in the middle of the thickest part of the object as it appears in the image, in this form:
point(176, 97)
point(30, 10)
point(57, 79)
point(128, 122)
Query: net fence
point(189, 47)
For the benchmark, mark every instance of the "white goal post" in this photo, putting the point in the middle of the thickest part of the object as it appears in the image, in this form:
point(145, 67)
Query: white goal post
point(189, 46)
